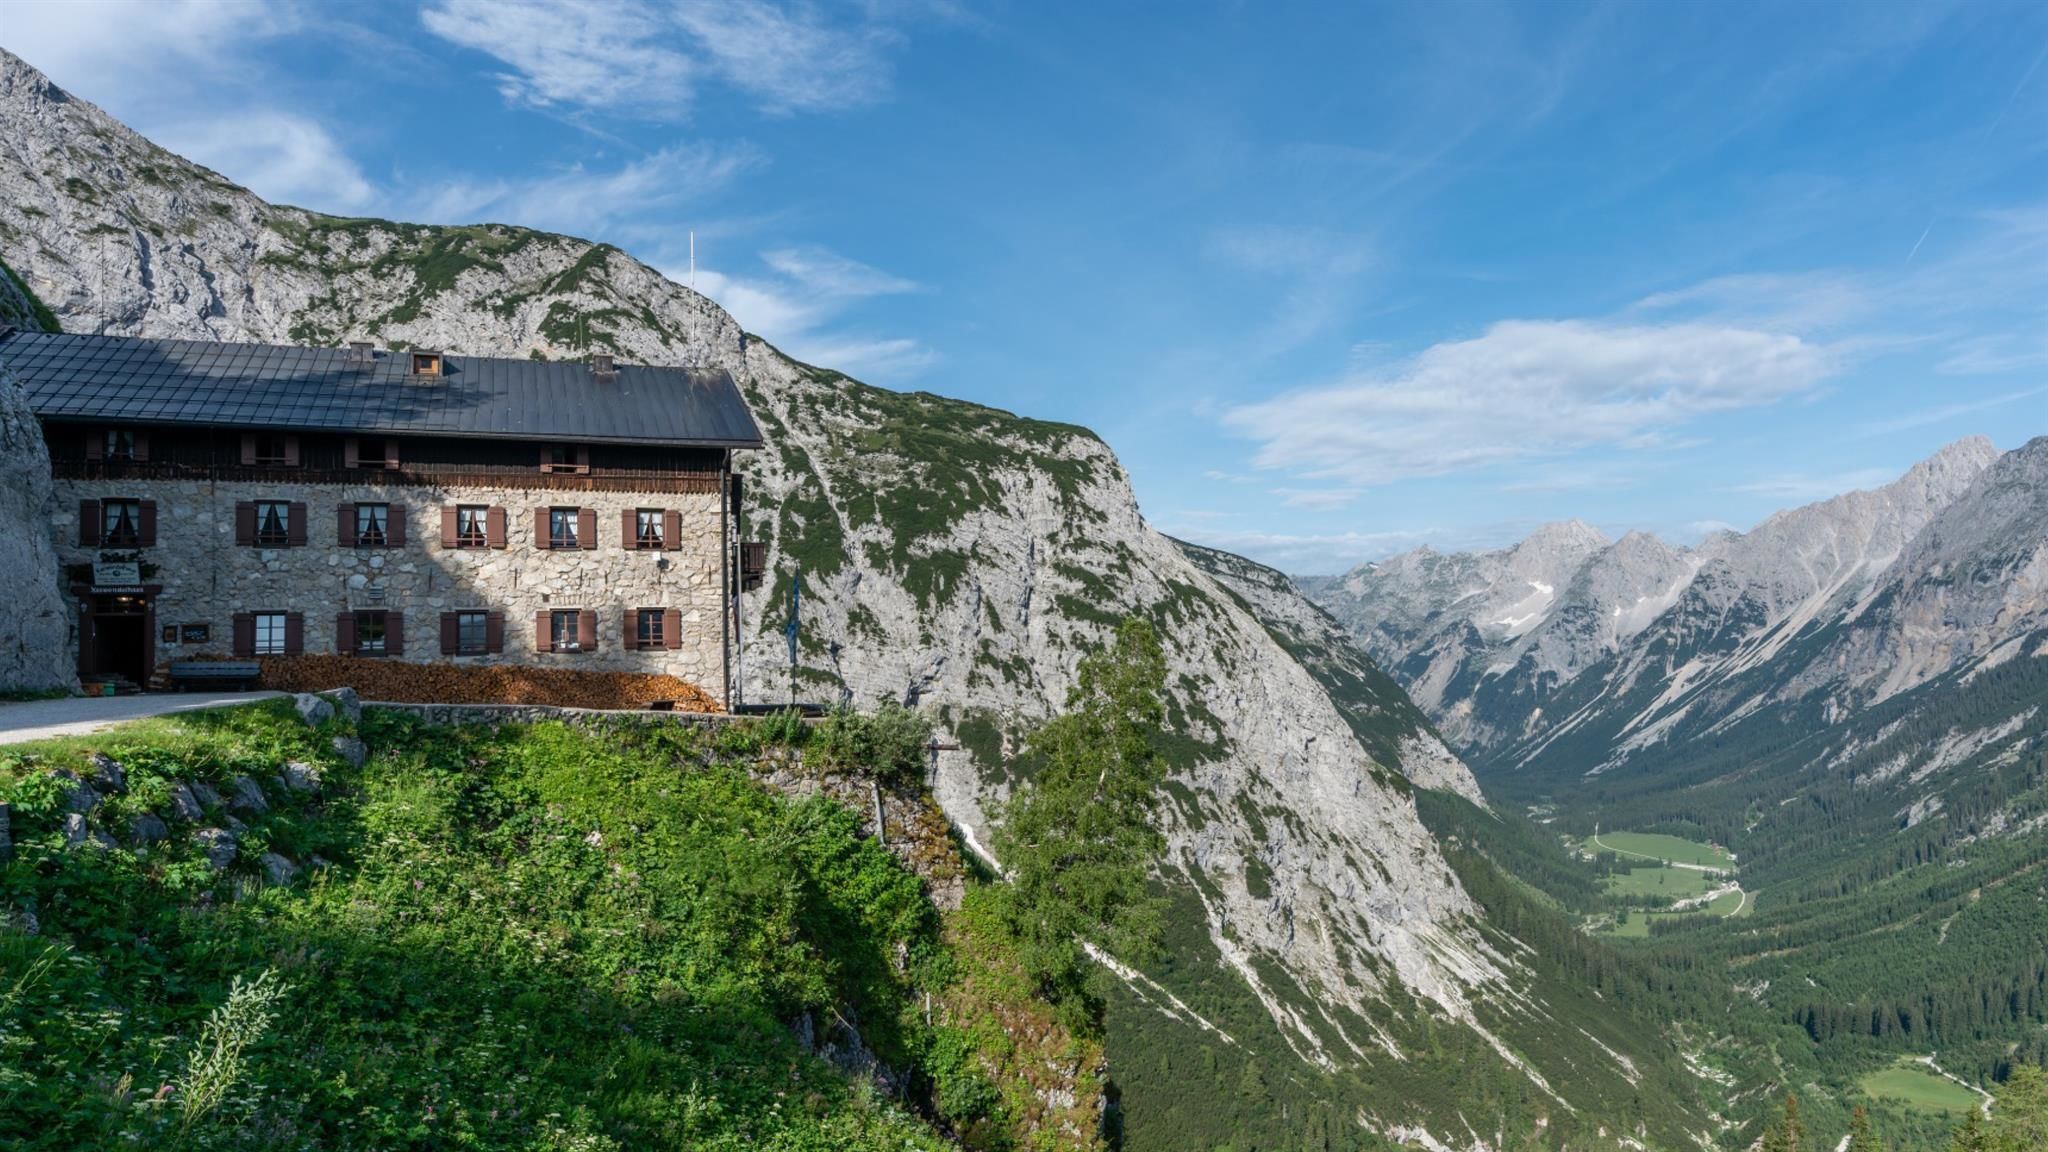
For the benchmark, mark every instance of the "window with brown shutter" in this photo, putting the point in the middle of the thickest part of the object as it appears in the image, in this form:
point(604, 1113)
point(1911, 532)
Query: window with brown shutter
point(88, 523)
point(273, 523)
point(370, 525)
point(646, 628)
point(467, 526)
point(466, 632)
point(270, 634)
point(121, 523)
point(647, 529)
point(374, 632)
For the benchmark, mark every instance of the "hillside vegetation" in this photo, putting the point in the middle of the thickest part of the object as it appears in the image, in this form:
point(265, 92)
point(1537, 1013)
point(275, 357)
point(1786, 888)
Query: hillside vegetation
point(516, 937)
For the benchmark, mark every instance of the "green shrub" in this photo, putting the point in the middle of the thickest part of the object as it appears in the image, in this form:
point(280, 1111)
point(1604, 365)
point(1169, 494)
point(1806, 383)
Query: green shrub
point(890, 742)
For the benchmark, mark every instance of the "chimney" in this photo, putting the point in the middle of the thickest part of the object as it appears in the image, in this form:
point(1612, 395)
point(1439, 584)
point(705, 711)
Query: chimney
point(601, 367)
point(360, 354)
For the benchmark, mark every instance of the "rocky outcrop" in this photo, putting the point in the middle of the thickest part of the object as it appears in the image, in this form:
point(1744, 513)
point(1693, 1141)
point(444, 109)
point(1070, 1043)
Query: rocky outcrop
point(35, 620)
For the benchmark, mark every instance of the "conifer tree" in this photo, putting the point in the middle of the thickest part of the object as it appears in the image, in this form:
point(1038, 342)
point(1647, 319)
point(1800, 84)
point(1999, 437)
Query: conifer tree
point(1861, 1137)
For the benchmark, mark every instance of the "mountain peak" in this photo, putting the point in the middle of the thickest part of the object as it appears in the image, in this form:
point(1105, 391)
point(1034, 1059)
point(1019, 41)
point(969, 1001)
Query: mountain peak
point(1569, 535)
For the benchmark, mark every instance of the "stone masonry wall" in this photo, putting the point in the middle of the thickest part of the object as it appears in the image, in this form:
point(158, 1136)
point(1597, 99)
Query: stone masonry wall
point(207, 578)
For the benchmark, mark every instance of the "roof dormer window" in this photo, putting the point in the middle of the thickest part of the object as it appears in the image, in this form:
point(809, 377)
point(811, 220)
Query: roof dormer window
point(426, 363)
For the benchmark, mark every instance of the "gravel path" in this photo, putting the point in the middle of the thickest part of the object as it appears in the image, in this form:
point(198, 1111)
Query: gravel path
point(75, 716)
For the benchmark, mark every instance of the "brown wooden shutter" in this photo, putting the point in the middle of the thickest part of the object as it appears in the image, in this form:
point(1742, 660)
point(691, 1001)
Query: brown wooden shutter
point(294, 633)
point(345, 525)
point(295, 524)
point(95, 444)
point(248, 449)
point(630, 635)
point(671, 529)
point(394, 633)
point(142, 447)
point(586, 528)
point(672, 628)
point(494, 631)
point(582, 460)
point(88, 523)
point(245, 633)
point(543, 637)
point(541, 537)
point(146, 532)
point(447, 525)
point(345, 633)
point(586, 630)
point(390, 452)
point(629, 529)
point(291, 451)
point(351, 452)
point(494, 527)
point(394, 525)
point(245, 522)
point(451, 638)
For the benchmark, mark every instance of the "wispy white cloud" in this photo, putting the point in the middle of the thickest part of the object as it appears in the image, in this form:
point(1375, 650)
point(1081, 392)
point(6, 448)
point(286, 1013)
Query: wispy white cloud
point(1526, 389)
point(1801, 488)
point(798, 304)
point(597, 53)
point(1308, 554)
point(1318, 499)
point(283, 158)
point(651, 60)
point(115, 51)
point(584, 201)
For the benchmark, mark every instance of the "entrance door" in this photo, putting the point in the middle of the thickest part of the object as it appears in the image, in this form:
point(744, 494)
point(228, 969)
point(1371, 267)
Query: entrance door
point(115, 639)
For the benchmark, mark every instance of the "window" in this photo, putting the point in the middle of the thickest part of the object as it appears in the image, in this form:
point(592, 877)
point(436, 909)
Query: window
point(426, 363)
point(472, 633)
point(560, 457)
point(563, 632)
point(373, 522)
point(273, 523)
point(269, 634)
point(370, 633)
point(562, 528)
point(121, 523)
point(647, 529)
point(271, 450)
point(120, 444)
point(370, 453)
point(471, 526)
point(649, 628)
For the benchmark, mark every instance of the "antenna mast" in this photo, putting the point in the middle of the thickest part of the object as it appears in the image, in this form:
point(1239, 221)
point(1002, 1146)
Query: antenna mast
point(693, 259)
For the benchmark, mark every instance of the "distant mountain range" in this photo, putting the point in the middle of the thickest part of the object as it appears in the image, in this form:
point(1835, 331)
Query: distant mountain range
point(1569, 641)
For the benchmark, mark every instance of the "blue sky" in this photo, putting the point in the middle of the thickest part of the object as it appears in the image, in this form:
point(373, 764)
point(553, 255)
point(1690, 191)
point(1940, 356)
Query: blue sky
point(1334, 280)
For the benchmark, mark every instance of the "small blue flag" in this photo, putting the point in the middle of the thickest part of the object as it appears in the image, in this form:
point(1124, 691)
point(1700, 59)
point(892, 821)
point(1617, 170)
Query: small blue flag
point(796, 589)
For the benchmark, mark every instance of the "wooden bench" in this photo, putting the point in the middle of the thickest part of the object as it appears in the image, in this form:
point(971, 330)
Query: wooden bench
point(185, 673)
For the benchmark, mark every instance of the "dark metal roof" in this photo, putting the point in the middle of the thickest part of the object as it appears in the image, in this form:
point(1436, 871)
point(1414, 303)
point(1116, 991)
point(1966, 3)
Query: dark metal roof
point(133, 381)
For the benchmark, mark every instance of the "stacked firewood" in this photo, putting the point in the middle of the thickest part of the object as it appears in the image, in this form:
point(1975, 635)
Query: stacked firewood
point(405, 682)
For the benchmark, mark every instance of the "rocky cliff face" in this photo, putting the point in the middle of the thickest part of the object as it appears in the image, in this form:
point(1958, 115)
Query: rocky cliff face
point(35, 617)
point(954, 557)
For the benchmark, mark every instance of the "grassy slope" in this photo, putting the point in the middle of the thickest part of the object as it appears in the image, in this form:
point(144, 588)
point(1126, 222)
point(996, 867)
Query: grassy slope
point(527, 938)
